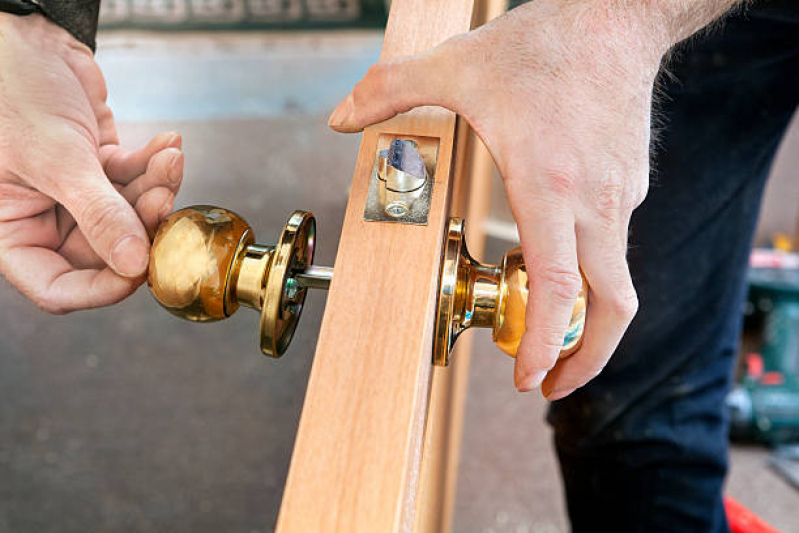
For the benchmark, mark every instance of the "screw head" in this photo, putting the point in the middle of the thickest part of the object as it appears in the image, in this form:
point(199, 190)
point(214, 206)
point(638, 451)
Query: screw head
point(397, 209)
point(292, 289)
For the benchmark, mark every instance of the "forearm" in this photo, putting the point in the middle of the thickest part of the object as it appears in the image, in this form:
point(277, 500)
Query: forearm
point(637, 33)
point(683, 18)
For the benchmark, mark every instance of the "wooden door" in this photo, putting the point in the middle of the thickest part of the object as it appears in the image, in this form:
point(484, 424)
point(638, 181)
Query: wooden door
point(376, 449)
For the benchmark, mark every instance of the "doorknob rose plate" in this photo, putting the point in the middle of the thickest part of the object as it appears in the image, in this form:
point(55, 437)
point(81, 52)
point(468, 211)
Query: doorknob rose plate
point(283, 296)
point(489, 296)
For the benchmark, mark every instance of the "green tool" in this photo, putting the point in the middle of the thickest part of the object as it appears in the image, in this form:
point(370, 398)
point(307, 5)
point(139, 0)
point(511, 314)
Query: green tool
point(764, 406)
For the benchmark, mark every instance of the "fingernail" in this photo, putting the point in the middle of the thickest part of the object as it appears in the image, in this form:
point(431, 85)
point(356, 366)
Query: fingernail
point(130, 257)
point(166, 208)
point(175, 173)
point(557, 395)
point(340, 116)
point(532, 381)
point(176, 141)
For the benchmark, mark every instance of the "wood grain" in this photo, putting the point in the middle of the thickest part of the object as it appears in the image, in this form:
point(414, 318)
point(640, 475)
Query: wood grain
point(474, 173)
point(357, 457)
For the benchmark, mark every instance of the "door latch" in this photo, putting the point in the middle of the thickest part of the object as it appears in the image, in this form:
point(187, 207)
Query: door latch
point(402, 180)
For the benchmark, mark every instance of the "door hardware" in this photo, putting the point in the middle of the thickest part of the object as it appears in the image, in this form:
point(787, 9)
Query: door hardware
point(205, 263)
point(402, 179)
point(474, 295)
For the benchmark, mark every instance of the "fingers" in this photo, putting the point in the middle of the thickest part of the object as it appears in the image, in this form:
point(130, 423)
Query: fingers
point(153, 207)
point(165, 169)
point(395, 86)
point(152, 195)
point(56, 229)
point(612, 304)
point(49, 280)
point(110, 224)
point(549, 247)
point(122, 166)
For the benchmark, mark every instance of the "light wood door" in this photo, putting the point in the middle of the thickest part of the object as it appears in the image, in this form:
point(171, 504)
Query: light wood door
point(376, 449)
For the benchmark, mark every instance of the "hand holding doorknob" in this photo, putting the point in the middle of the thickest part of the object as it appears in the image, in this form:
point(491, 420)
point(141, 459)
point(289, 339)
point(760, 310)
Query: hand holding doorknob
point(489, 296)
point(204, 263)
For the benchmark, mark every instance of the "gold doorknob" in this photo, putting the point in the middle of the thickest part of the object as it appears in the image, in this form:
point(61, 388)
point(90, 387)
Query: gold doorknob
point(473, 295)
point(204, 263)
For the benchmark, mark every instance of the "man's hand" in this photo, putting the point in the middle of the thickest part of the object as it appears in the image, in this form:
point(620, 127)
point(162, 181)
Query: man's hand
point(560, 92)
point(76, 210)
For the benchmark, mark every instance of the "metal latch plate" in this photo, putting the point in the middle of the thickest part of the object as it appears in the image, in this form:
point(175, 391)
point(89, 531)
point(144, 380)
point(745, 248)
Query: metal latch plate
point(378, 207)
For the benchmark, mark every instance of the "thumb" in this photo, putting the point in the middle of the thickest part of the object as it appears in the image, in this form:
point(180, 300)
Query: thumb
point(398, 85)
point(108, 221)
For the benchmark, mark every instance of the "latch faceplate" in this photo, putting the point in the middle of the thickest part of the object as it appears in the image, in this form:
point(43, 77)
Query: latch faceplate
point(402, 179)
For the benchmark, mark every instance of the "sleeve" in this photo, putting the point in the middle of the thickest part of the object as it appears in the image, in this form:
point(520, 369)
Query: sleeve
point(78, 17)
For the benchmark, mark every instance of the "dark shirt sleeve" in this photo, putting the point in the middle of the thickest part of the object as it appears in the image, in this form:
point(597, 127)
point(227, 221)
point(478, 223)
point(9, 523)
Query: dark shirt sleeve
point(78, 17)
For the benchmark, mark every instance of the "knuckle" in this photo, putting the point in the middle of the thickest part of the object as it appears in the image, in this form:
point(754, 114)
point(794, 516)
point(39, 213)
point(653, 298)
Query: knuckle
point(47, 303)
point(637, 193)
point(545, 349)
point(624, 305)
point(376, 80)
point(552, 343)
point(564, 284)
point(97, 212)
point(609, 194)
point(561, 181)
point(592, 372)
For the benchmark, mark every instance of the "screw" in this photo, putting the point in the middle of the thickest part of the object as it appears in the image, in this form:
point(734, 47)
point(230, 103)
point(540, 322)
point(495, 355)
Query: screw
point(292, 289)
point(397, 209)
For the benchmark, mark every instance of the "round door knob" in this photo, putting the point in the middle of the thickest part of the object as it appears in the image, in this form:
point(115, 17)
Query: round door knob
point(192, 261)
point(474, 295)
point(204, 263)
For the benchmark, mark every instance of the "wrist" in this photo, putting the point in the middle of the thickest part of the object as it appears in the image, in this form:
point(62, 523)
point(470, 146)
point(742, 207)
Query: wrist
point(623, 38)
point(677, 20)
point(651, 27)
point(32, 30)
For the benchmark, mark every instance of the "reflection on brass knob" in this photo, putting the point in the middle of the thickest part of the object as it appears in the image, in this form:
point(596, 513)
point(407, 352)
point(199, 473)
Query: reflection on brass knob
point(489, 296)
point(192, 260)
point(204, 263)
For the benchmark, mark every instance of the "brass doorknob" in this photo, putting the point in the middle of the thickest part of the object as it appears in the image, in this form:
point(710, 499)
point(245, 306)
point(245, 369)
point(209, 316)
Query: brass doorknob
point(204, 263)
point(473, 295)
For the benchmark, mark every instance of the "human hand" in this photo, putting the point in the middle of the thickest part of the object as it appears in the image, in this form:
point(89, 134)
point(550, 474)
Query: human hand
point(560, 93)
point(76, 210)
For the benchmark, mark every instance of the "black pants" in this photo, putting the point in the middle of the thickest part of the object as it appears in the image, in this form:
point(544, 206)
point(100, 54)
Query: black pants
point(644, 446)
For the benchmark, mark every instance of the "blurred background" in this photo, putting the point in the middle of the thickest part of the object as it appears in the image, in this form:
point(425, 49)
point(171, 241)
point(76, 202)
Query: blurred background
point(128, 419)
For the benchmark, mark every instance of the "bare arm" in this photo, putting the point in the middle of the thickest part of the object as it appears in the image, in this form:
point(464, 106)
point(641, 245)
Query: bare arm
point(683, 18)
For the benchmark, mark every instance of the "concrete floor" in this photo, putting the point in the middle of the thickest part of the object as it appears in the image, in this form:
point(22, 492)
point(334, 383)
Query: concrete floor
point(127, 419)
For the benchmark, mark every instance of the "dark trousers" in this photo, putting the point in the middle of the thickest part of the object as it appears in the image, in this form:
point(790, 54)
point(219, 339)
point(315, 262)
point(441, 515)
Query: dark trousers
point(644, 446)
